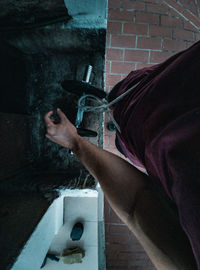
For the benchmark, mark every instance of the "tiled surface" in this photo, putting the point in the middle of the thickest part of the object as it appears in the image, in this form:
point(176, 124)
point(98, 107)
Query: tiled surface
point(84, 210)
point(89, 262)
point(123, 251)
point(140, 33)
point(63, 240)
point(78, 207)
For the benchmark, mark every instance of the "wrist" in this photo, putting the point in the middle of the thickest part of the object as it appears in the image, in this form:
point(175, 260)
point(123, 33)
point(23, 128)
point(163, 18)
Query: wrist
point(75, 146)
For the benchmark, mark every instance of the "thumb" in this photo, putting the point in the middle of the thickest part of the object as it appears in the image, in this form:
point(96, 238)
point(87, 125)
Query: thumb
point(61, 114)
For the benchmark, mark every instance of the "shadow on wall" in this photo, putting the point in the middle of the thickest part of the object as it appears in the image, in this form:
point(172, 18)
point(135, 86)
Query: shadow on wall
point(31, 167)
point(13, 98)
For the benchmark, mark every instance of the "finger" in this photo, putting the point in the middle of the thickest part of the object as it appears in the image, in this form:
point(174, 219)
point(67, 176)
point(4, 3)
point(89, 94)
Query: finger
point(50, 138)
point(61, 114)
point(47, 135)
point(47, 118)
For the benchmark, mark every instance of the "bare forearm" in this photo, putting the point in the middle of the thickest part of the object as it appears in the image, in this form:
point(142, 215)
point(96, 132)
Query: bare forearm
point(139, 207)
point(130, 196)
point(157, 227)
point(118, 178)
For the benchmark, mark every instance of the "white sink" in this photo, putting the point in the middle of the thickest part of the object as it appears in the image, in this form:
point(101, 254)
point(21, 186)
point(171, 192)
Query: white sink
point(52, 234)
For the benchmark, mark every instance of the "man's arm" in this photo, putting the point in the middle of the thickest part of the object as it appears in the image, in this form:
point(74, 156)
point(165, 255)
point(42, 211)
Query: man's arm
point(131, 197)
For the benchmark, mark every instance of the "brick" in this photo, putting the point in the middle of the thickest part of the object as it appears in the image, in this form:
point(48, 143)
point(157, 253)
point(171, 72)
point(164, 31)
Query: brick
point(183, 34)
point(149, 43)
point(114, 27)
point(106, 131)
point(108, 64)
point(111, 255)
point(153, 1)
point(108, 39)
point(113, 219)
point(128, 256)
point(128, 4)
point(142, 17)
point(138, 255)
point(132, 268)
point(189, 26)
point(123, 41)
point(124, 268)
point(160, 31)
point(106, 227)
point(191, 18)
point(114, 54)
point(106, 118)
point(185, 3)
point(159, 57)
point(116, 263)
point(136, 55)
point(118, 239)
point(122, 67)
point(119, 247)
point(136, 29)
point(111, 79)
point(197, 36)
point(114, 4)
point(174, 13)
point(120, 15)
point(118, 229)
point(169, 21)
point(175, 5)
point(136, 246)
point(121, 268)
point(140, 66)
point(194, 8)
point(191, 6)
point(161, 9)
point(124, 239)
point(174, 45)
point(106, 142)
point(106, 205)
point(112, 141)
point(189, 43)
point(137, 264)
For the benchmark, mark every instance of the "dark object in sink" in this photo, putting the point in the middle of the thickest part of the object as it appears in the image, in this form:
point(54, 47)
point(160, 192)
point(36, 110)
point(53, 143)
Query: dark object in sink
point(77, 231)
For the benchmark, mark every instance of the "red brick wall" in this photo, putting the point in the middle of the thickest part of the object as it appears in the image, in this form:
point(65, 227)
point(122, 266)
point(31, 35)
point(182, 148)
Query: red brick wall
point(140, 33)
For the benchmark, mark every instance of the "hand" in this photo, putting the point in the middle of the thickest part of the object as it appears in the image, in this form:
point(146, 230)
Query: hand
point(63, 133)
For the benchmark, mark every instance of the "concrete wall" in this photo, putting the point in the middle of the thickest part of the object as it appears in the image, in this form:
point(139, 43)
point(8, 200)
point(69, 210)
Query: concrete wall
point(87, 14)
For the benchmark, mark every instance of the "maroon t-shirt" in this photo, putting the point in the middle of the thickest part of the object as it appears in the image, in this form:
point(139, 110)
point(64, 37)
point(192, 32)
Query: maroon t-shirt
point(160, 130)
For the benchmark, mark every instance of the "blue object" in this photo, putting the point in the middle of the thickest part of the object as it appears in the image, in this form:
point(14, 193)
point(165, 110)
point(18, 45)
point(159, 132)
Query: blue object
point(77, 232)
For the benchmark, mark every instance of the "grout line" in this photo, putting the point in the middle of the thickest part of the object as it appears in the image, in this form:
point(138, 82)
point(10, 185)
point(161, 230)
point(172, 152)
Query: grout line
point(184, 17)
point(123, 55)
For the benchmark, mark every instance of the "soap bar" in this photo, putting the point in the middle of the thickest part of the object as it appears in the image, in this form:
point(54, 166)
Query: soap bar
point(72, 255)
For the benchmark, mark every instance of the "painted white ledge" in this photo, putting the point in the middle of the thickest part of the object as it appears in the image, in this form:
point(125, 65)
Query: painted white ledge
point(82, 209)
point(87, 13)
point(35, 249)
point(37, 246)
point(88, 22)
